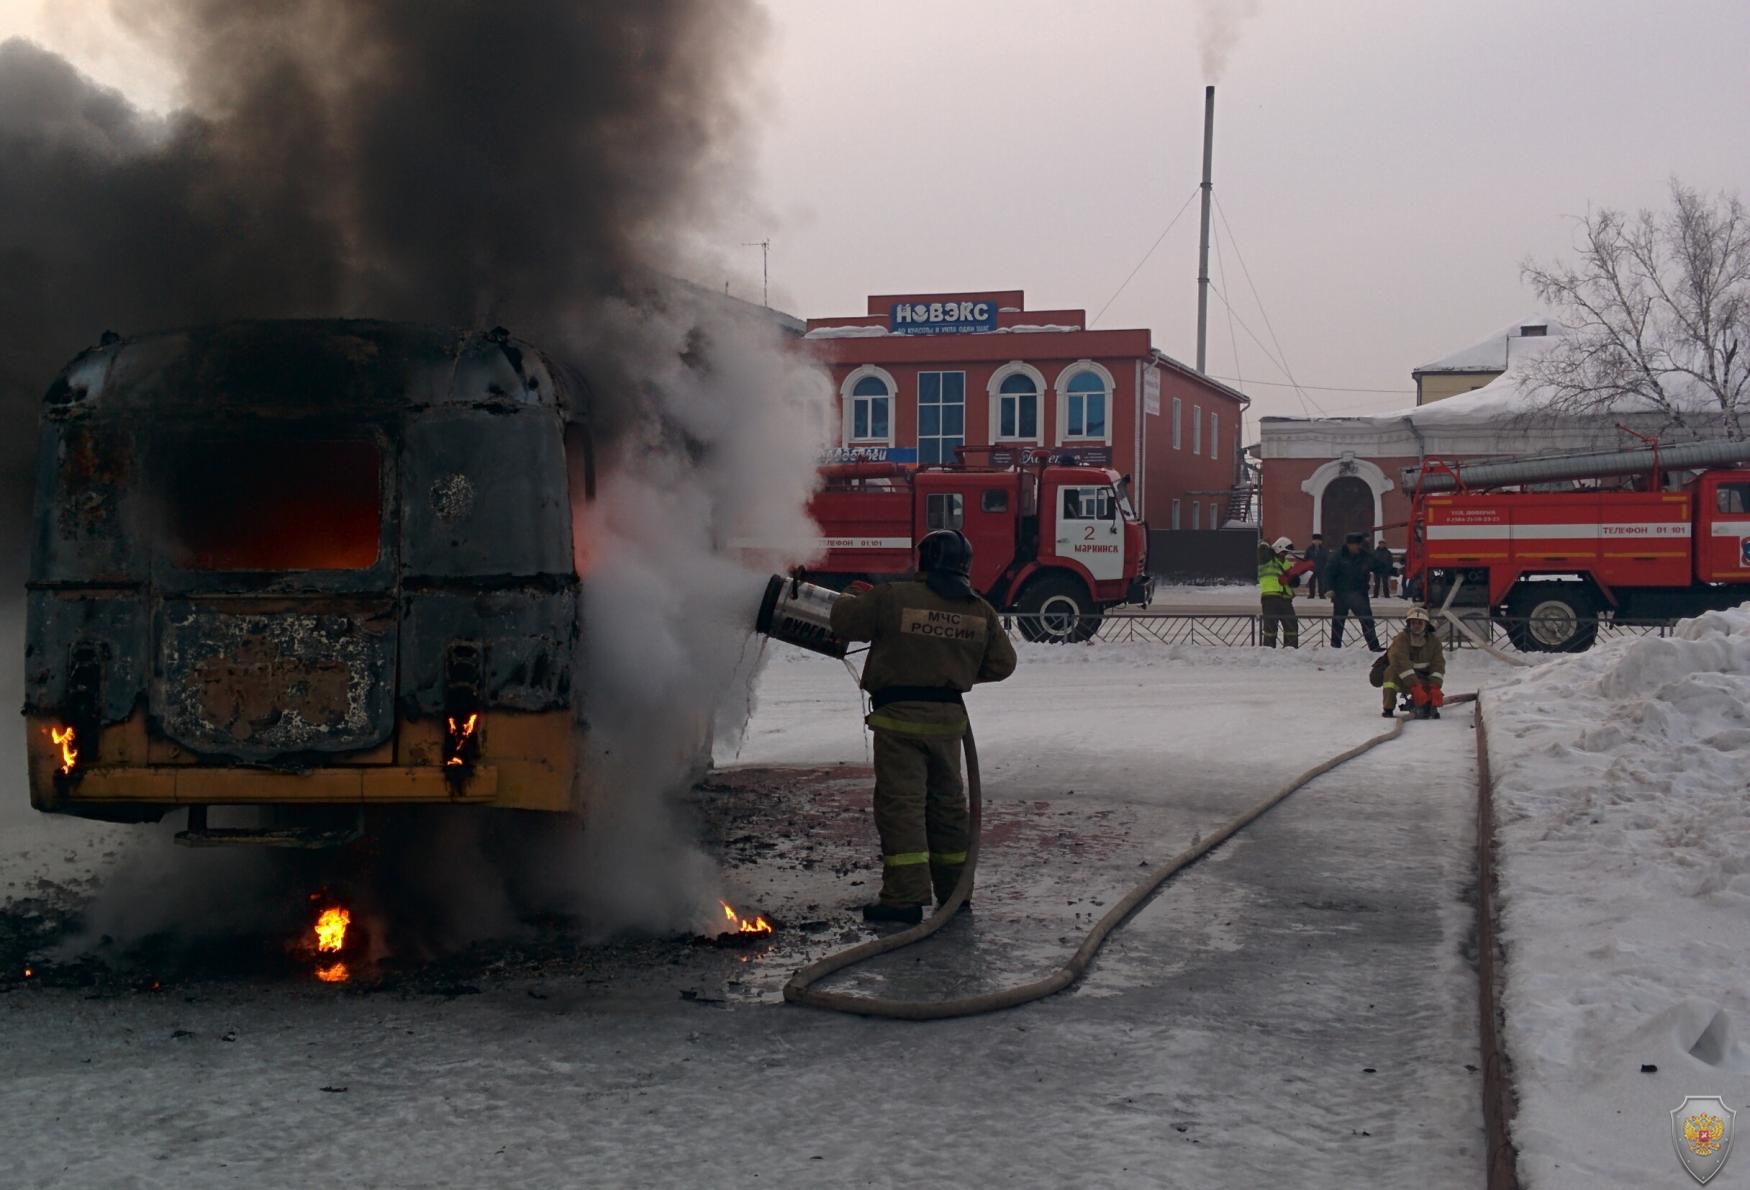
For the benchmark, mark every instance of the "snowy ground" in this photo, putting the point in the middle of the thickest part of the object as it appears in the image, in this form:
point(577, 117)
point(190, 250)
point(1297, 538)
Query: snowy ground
point(1621, 778)
point(1299, 1010)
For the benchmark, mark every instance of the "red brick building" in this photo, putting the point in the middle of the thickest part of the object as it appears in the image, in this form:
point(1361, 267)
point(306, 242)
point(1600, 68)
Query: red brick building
point(935, 372)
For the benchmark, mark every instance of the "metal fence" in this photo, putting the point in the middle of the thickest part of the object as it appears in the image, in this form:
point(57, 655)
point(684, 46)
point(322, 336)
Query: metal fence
point(1242, 630)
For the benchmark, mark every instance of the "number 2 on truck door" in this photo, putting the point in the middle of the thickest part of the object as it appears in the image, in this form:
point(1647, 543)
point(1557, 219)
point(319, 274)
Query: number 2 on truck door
point(1087, 530)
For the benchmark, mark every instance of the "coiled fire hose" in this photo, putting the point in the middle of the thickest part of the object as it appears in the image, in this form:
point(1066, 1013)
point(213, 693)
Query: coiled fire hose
point(801, 989)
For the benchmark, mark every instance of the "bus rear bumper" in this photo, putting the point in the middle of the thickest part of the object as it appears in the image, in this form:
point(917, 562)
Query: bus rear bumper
point(526, 762)
point(186, 785)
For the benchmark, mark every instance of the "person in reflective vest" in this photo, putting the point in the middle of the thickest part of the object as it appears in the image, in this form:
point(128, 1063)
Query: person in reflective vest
point(1277, 574)
point(932, 639)
point(1415, 664)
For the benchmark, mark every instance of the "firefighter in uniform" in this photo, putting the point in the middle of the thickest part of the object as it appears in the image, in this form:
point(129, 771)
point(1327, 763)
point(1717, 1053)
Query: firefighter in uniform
point(932, 639)
point(1277, 574)
point(1414, 663)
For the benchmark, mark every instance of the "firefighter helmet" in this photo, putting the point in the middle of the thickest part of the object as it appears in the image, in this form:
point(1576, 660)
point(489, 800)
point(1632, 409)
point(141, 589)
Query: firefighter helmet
point(1282, 544)
point(1416, 615)
point(945, 557)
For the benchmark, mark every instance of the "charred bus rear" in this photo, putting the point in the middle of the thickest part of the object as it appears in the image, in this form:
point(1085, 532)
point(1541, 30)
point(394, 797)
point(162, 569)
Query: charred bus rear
point(313, 564)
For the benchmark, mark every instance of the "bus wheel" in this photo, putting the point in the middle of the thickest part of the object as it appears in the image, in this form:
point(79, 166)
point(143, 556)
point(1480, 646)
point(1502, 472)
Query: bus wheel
point(1057, 610)
point(1553, 618)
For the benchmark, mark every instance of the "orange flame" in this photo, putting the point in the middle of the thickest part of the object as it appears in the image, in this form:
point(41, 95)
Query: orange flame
point(741, 925)
point(333, 973)
point(63, 736)
point(459, 737)
point(331, 929)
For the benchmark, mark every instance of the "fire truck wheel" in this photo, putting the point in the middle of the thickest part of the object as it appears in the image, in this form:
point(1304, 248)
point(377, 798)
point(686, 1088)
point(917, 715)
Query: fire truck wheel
point(1057, 610)
point(1553, 618)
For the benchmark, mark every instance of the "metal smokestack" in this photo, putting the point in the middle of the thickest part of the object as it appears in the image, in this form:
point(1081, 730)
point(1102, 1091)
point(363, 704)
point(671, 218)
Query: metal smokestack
point(1203, 242)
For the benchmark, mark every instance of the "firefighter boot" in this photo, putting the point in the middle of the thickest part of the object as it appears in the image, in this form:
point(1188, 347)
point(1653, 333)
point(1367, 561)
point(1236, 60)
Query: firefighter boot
point(945, 877)
point(883, 913)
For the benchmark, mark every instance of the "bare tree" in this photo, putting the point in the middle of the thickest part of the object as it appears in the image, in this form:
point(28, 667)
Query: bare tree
point(1659, 307)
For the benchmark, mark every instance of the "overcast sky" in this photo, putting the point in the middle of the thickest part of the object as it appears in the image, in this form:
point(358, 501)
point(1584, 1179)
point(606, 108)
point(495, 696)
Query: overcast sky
point(1384, 166)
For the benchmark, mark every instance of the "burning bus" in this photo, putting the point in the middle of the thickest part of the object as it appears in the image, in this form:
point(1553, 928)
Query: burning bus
point(322, 567)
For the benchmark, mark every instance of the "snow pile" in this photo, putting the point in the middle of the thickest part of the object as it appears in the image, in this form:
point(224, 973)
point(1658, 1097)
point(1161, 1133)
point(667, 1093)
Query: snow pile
point(1622, 787)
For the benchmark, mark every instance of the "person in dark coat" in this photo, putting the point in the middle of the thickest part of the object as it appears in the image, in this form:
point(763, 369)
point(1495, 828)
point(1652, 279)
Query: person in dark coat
point(1349, 575)
point(1318, 554)
point(1382, 570)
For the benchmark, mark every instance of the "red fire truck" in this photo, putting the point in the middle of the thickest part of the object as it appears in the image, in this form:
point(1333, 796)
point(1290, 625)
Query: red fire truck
point(1053, 540)
point(1671, 539)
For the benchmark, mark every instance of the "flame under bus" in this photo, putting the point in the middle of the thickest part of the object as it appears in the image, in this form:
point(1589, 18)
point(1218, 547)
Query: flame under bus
point(305, 564)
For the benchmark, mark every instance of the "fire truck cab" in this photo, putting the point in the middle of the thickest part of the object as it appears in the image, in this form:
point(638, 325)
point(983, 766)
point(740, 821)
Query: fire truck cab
point(1056, 542)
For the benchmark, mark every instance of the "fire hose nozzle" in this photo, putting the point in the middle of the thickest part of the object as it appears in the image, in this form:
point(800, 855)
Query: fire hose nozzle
point(800, 613)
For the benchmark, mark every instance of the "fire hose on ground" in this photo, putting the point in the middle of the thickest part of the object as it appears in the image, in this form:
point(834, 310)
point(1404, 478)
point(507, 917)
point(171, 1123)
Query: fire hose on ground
point(800, 613)
point(801, 989)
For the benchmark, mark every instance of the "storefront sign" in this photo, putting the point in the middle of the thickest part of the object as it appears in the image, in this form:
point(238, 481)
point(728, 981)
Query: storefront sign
point(870, 454)
point(1027, 456)
point(941, 318)
point(1151, 391)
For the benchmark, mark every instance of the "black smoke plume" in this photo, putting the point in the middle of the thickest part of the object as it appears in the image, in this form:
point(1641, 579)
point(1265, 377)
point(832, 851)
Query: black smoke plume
point(545, 165)
point(469, 164)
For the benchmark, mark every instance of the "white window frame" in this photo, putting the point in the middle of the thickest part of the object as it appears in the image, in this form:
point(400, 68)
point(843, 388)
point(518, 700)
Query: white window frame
point(1061, 389)
point(1196, 429)
point(994, 391)
point(1214, 433)
point(944, 510)
point(1175, 513)
point(1196, 514)
point(1178, 428)
point(940, 405)
point(848, 405)
point(1215, 514)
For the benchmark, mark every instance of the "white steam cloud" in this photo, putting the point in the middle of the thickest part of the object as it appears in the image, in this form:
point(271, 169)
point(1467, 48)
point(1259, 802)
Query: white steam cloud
point(732, 424)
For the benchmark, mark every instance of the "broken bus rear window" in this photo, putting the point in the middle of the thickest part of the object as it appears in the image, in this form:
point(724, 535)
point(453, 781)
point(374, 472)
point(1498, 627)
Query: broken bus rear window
point(276, 502)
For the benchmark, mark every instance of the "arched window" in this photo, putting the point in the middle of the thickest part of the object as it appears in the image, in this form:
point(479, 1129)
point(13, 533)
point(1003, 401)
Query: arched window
point(1018, 408)
point(871, 410)
point(1085, 398)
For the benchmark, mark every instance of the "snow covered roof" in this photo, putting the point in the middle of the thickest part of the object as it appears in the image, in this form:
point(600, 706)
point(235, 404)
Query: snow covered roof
point(1496, 417)
point(1493, 353)
point(846, 332)
point(875, 331)
point(1513, 395)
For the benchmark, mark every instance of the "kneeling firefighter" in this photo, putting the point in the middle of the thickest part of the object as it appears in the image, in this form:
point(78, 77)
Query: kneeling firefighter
point(1415, 664)
point(932, 640)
